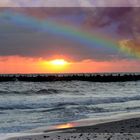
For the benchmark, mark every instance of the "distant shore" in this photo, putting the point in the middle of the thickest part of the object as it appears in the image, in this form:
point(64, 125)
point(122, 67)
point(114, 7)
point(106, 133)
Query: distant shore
point(102, 77)
point(120, 127)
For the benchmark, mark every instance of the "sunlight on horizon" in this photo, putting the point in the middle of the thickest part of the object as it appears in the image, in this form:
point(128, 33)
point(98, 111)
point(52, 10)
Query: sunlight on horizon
point(58, 62)
point(56, 65)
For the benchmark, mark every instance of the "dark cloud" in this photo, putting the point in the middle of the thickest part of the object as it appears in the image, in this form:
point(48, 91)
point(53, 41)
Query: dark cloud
point(127, 21)
point(22, 41)
point(127, 18)
point(25, 42)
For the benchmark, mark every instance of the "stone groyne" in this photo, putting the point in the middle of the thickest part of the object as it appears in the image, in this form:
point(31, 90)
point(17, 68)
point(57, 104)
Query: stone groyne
point(109, 77)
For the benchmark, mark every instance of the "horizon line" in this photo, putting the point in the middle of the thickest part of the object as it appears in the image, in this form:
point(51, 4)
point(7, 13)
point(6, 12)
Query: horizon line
point(67, 73)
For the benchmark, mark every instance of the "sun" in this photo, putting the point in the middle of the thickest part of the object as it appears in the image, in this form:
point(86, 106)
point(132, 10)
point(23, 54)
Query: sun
point(58, 65)
point(58, 62)
point(55, 65)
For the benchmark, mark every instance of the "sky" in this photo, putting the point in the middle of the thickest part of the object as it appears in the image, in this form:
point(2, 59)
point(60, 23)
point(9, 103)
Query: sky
point(90, 39)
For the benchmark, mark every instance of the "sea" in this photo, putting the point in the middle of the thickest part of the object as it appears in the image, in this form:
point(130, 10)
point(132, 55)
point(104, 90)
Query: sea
point(29, 105)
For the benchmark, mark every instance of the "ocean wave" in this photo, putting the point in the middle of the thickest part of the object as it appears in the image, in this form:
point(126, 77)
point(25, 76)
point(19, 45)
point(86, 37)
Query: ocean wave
point(66, 104)
point(3, 92)
point(59, 104)
point(133, 108)
point(94, 101)
point(50, 91)
point(41, 91)
point(16, 92)
point(12, 107)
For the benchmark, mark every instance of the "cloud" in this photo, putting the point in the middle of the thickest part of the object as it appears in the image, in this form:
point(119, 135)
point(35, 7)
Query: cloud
point(126, 22)
point(101, 17)
point(127, 19)
point(27, 34)
point(28, 43)
point(130, 46)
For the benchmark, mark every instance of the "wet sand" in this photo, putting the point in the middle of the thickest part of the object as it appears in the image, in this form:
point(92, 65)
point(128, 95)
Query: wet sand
point(126, 127)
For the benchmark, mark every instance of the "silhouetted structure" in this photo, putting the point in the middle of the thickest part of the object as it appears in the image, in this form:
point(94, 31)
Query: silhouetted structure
point(106, 77)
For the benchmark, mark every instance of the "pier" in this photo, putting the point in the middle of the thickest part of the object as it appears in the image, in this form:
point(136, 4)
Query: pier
point(98, 77)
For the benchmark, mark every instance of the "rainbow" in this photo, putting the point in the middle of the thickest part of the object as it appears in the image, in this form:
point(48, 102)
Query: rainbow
point(82, 36)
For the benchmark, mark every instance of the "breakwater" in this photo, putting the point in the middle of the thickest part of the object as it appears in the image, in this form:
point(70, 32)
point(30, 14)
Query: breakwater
point(102, 77)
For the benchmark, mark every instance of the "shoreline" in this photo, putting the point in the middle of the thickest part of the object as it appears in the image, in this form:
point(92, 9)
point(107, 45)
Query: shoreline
point(87, 122)
point(119, 125)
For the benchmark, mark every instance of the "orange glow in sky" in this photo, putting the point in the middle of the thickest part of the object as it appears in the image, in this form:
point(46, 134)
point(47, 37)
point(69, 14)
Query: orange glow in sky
point(16, 64)
point(56, 65)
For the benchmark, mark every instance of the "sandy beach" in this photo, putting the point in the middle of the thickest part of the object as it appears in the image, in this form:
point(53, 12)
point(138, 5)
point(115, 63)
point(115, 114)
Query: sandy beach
point(126, 126)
